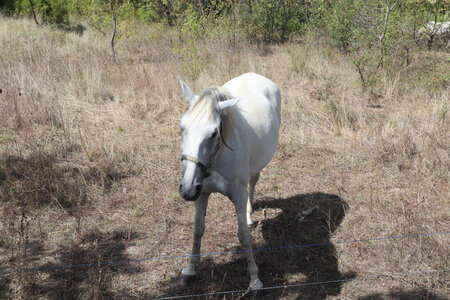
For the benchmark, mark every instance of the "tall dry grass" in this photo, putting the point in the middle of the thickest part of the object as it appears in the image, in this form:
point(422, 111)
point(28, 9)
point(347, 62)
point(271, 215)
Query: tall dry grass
point(89, 168)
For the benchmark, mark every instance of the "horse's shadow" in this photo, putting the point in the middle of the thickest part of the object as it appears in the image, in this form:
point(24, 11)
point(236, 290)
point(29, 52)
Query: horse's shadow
point(302, 230)
point(307, 219)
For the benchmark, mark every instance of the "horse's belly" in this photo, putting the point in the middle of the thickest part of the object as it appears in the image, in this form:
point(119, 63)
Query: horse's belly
point(263, 135)
point(262, 152)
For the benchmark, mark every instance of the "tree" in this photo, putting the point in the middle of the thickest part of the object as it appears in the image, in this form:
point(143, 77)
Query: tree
point(33, 12)
point(114, 27)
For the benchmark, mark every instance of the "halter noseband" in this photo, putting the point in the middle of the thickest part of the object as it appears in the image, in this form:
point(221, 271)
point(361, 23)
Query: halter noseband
point(198, 161)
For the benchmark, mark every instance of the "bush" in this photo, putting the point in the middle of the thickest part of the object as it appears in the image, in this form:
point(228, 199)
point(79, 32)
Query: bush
point(54, 12)
point(7, 7)
point(272, 21)
point(377, 35)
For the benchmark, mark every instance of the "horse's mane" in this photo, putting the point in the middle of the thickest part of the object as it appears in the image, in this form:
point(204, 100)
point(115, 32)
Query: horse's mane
point(202, 109)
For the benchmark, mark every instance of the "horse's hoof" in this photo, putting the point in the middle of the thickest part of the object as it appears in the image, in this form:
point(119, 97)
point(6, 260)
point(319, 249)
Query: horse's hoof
point(256, 294)
point(186, 280)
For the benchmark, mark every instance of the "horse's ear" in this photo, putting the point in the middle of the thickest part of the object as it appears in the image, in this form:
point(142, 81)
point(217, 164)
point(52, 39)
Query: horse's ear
point(223, 106)
point(187, 91)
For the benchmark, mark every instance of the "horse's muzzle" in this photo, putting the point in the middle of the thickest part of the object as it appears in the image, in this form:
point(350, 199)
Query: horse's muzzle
point(190, 194)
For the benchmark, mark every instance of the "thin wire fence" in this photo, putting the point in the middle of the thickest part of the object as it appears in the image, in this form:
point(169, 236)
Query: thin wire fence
point(243, 292)
point(118, 262)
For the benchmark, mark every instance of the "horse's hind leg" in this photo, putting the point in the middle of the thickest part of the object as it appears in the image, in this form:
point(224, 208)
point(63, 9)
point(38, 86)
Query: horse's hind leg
point(189, 272)
point(253, 180)
point(240, 200)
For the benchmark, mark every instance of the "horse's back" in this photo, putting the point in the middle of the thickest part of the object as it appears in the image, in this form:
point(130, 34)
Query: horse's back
point(259, 110)
point(253, 87)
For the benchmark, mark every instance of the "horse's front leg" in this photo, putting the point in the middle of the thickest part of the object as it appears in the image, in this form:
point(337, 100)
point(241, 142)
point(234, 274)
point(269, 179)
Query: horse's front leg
point(240, 203)
point(189, 272)
point(253, 180)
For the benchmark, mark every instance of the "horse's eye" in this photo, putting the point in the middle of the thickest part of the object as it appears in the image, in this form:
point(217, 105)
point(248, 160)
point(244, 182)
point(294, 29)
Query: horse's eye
point(214, 134)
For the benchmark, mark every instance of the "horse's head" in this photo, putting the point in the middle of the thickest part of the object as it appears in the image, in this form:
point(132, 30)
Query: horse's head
point(201, 128)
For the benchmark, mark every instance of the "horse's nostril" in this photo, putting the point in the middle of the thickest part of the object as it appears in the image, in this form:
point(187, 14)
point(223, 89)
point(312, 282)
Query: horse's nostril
point(190, 194)
point(182, 191)
point(198, 188)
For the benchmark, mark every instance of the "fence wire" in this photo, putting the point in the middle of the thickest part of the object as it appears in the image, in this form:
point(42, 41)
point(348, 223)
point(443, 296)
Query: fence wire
point(118, 262)
point(244, 292)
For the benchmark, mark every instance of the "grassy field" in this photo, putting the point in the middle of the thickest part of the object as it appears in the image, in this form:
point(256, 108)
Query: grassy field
point(89, 170)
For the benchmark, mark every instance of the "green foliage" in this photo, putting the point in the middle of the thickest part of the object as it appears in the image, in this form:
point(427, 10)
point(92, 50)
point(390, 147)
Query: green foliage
point(375, 40)
point(378, 34)
point(7, 7)
point(359, 23)
point(272, 21)
point(96, 12)
point(143, 10)
point(341, 25)
point(166, 11)
point(191, 30)
point(54, 12)
point(194, 23)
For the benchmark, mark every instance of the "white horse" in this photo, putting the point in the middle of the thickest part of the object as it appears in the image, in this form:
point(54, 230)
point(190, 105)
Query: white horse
point(436, 30)
point(229, 134)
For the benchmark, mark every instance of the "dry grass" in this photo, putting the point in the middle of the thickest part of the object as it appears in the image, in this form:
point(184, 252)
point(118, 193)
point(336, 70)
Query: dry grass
point(89, 170)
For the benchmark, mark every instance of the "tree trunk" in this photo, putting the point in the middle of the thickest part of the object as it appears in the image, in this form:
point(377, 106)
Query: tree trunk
point(113, 35)
point(389, 8)
point(33, 13)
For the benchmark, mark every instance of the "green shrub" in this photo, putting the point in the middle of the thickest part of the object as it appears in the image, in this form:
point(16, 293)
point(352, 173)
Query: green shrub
point(272, 21)
point(7, 7)
point(191, 30)
point(54, 12)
